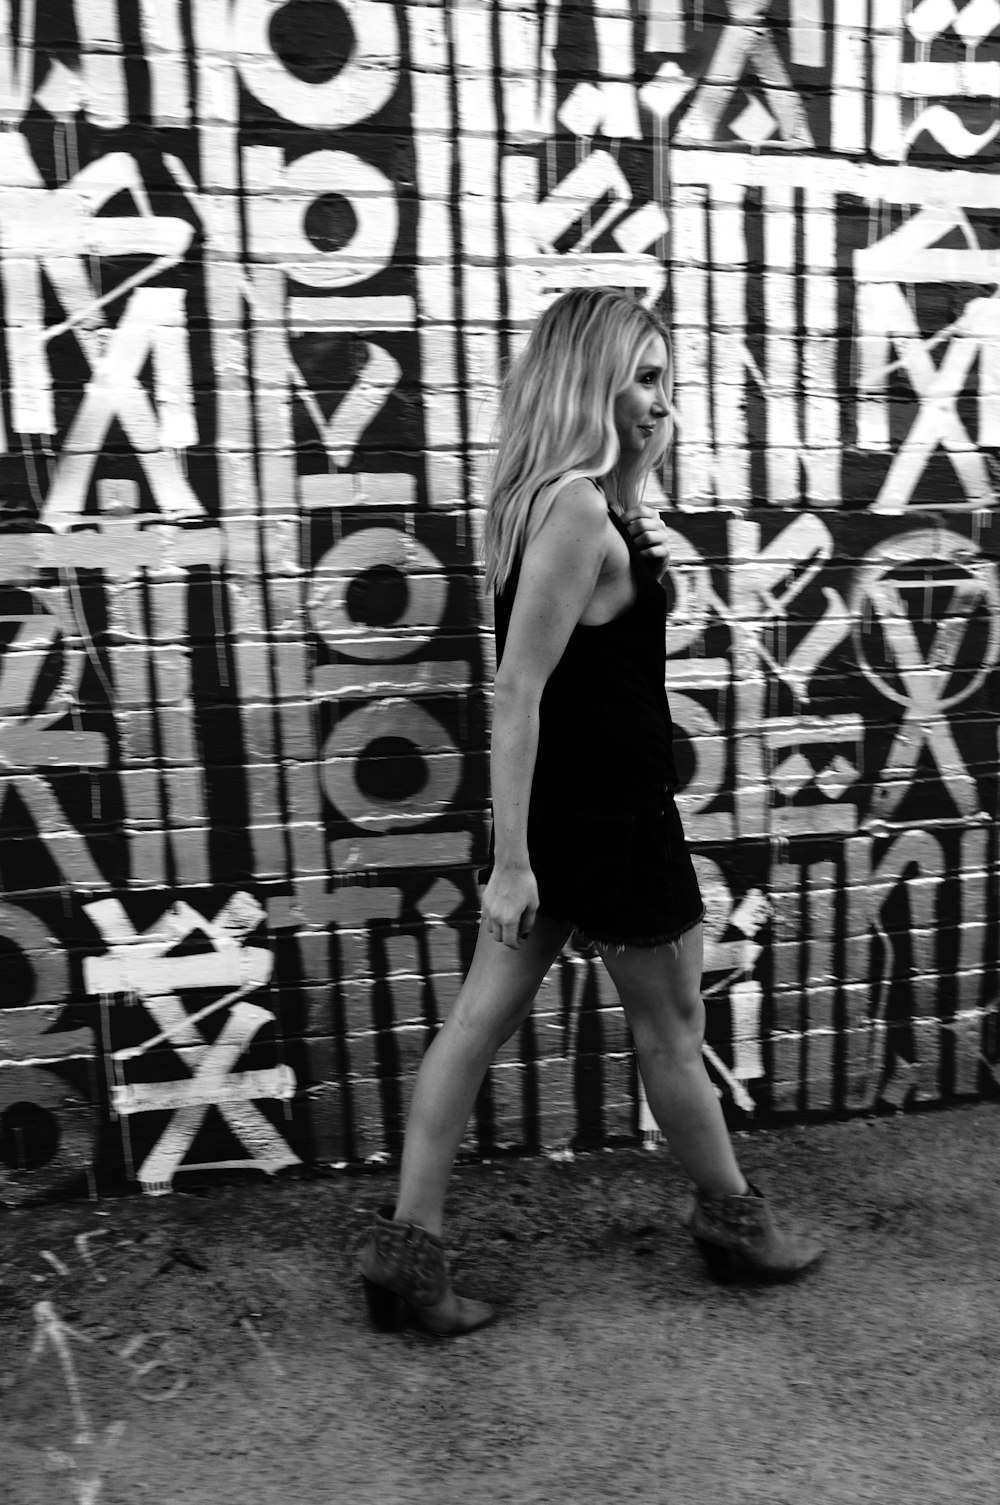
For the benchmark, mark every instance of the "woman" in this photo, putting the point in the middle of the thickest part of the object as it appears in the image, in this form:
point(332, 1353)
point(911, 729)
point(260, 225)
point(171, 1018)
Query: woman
point(586, 833)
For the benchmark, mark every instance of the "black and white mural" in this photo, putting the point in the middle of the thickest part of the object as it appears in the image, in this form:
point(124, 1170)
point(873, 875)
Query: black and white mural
point(261, 264)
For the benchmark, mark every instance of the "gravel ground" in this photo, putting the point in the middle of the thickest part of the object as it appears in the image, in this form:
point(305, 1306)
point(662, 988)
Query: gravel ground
point(211, 1348)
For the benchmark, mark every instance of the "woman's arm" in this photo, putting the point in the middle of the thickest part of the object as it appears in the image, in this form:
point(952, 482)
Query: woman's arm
point(559, 572)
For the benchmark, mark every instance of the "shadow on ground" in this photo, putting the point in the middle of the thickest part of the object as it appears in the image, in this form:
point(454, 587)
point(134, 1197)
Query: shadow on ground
point(212, 1349)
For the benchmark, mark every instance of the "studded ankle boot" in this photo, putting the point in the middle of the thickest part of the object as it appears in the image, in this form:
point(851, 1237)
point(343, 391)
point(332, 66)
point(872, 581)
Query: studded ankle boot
point(404, 1273)
point(738, 1239)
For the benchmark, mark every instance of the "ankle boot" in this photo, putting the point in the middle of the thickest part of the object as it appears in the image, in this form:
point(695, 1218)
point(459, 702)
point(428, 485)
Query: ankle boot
point(404, 1273)
point(738, 1239)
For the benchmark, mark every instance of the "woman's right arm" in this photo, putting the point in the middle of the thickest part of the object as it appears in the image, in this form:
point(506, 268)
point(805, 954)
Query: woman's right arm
point(559, 572)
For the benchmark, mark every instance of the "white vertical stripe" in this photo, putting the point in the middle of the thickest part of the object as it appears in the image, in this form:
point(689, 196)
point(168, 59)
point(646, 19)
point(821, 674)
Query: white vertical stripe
point(429, 55)
point(664, 25)
point(729, 283)
point(887, 57)
point(781, 374)
point(102, 62)
point(527, 70)
point(808, 36)
point(217, 114)
point(692, 388)
point(822, 400)
point(163, 40)
point(849, 76)
point(479, 160)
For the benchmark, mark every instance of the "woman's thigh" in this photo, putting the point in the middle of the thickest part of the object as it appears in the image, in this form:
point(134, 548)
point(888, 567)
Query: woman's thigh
point(502, 982)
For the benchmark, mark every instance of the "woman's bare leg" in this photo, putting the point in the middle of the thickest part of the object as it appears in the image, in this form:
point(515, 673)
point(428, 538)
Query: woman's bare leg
point(495, 999)
point(660, 990)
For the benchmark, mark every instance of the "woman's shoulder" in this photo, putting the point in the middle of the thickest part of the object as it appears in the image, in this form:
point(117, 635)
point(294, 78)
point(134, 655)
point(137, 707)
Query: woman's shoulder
point(575, 483)
point(570, 500)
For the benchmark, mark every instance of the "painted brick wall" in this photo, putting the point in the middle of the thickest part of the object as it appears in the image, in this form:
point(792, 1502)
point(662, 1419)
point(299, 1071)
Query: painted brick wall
point(259, 265)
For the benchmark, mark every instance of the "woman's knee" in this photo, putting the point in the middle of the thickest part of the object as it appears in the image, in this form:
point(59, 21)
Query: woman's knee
point(492, 1017)
point(688, 1009)
point(675, 1024)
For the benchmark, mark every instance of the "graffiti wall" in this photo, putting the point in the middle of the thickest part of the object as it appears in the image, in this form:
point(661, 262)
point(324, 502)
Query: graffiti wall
point(260, 266)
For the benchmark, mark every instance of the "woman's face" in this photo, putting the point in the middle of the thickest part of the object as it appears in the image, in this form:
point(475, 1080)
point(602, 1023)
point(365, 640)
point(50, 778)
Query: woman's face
point(643, 405)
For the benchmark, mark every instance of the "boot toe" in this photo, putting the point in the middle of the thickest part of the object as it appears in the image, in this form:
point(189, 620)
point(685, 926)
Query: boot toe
point(455, 1315)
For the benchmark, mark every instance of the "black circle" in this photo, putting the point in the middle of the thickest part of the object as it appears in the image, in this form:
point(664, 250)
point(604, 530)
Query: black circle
point(390, 768)
point(29, 1136)
point(377, 597)
point(312, 38)
point(330, 222)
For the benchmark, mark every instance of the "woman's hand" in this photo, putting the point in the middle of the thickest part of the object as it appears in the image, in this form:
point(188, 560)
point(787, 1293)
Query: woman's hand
point(649, 533)
point(510, 904)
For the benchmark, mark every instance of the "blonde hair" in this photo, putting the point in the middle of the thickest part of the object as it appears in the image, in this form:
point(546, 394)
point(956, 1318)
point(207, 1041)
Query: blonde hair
point(557, 407)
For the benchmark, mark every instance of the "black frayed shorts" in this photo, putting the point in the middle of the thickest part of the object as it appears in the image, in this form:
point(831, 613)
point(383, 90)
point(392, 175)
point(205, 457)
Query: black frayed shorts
point(619, 877)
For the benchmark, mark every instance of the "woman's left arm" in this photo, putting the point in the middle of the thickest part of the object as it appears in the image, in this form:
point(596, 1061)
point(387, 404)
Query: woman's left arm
point(649, 533)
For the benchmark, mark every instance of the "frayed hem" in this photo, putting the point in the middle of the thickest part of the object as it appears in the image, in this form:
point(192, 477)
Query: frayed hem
point(618, 944)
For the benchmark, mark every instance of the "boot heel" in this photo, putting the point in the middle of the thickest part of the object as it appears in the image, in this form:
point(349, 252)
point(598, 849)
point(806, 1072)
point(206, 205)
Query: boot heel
point(722, 1264)
point(385, 1308)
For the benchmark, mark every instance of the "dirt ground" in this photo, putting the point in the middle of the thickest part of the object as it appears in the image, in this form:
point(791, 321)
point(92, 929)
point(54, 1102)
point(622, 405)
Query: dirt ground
point(203, 1349)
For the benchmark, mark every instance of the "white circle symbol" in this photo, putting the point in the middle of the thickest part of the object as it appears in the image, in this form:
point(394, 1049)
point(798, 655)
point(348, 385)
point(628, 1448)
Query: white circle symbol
point(932, 579)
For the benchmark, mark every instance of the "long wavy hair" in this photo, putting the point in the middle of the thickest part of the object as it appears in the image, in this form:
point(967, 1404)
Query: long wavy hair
point(557, 413)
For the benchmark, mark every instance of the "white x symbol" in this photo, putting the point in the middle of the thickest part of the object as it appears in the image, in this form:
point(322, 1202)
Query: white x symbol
point(938, 388)
point(213, 1085)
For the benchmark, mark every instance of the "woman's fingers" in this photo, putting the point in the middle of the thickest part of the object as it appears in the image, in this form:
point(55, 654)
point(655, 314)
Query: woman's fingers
point(509, 929)
point(520, 928)
point(644, 523)
point(509, 908)
point(648, 531)
point(510, 935)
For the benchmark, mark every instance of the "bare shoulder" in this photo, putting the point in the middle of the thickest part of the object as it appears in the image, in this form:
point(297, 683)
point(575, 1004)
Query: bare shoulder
point(578, 509)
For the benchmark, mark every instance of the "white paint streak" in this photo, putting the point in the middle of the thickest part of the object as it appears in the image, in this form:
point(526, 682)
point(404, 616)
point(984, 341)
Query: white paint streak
point(746, 1002)
point(847, 102)
point(430, 52)
point(102, 62)
point(528, 71)
point(479, 165)
point(664, 25)
point(16, 60)
point(82, 1242)
point(258, 1341)
point(164, 49)
point(51, 1330)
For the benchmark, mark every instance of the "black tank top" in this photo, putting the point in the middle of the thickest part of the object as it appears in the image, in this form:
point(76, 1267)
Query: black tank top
point(605, 735)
